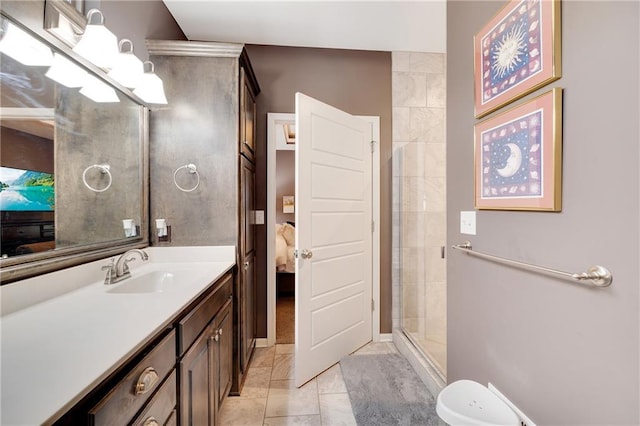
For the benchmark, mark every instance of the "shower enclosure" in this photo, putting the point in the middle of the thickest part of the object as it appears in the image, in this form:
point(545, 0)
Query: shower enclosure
point(423, 295)
point(419, 209)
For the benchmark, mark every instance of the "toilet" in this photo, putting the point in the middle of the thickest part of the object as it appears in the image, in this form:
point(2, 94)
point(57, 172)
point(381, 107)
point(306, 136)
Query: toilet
point(466, 402)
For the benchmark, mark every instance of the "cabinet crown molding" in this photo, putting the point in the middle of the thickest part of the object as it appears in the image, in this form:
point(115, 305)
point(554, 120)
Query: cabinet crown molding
point(194, 48)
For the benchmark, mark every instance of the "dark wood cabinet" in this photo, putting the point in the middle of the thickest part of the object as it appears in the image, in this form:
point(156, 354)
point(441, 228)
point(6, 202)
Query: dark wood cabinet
point(247, 306)
point(247, 117)
point(223, 352)
point(181, 377)
point(205, 371)
point(248, 319)
point(161, 409)
point(126, 397)
point(197, 390)
point(206, 366)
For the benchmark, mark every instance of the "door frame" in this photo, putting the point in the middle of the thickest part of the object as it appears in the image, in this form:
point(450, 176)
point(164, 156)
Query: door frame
point(270, 223)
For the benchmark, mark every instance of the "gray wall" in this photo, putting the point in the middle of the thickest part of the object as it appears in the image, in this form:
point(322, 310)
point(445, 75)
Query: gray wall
point(565, 354)
point(358, 82)
point(88, 133)
point(285, 182)
point(199, 126)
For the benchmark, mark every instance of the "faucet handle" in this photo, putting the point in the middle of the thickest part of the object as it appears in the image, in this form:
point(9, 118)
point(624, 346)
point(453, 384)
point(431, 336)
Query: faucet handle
point(111, 271)
point(108, 267)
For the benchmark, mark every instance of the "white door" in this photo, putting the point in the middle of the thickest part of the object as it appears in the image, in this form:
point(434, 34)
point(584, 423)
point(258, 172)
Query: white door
point(333, 236)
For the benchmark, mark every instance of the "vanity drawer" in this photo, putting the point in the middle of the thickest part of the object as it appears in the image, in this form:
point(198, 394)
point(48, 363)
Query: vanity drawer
point(190, 327)
point(162, 406)
point(132, 392)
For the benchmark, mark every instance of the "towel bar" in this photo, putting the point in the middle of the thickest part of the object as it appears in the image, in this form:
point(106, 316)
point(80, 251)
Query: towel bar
point(598, 275)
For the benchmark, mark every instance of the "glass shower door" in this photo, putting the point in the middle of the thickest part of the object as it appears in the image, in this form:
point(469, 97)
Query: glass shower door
point(420, 215)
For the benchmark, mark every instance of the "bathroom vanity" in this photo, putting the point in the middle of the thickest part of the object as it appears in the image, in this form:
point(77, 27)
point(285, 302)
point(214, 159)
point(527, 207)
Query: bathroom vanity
point(168, 344)
point(151, 349)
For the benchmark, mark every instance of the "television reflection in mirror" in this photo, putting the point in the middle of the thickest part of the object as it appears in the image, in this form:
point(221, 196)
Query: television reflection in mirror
point(57, 118)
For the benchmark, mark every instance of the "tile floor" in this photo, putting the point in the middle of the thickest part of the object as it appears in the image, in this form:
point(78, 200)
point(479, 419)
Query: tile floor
point(269, 396)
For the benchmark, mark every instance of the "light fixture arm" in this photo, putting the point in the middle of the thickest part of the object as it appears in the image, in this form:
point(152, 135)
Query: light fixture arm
point(122, 42)
point(91, 12)
point(150, 63)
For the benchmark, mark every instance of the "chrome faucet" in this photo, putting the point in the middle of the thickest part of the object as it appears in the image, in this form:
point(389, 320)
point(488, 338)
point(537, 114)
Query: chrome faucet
point(119, 270)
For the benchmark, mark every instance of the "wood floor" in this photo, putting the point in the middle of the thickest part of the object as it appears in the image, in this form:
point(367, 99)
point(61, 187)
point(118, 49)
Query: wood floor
point(285, 319)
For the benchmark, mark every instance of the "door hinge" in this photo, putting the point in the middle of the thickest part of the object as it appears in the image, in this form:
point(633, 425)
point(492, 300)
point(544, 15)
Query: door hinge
point(373, 226)
point(373, 305)
point(295, 253)
point(373, 146)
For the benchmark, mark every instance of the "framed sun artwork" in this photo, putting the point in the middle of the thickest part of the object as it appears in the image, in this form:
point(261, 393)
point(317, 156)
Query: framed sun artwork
point(518, 157)
point(516, 52)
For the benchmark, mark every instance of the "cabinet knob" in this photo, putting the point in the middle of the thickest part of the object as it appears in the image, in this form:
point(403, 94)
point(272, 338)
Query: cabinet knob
point(147, 379)
point(151, 421)
point(216, 337)
point(220, 332)
point(246, 265)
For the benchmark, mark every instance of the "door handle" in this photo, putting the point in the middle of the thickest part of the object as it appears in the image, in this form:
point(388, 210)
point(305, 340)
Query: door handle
point(306, 254)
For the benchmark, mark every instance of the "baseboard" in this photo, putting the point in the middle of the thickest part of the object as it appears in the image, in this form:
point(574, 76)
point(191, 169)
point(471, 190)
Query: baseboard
point(261, 342)
point(386, 337)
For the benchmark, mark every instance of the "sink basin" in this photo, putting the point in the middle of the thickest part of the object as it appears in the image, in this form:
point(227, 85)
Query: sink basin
point(150, 282)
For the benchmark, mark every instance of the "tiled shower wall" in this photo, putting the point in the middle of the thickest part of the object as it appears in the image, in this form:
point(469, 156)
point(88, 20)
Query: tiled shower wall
point(419, 284)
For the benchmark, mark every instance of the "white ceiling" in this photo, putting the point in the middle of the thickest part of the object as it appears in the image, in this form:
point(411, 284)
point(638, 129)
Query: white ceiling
point(414, 26)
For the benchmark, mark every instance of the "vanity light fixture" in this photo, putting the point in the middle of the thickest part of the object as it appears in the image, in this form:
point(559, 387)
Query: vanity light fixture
point(97, 45)
point(150, 89)
point(98, 91)
point(66, 72)
point(23, 47)
point(127, 69)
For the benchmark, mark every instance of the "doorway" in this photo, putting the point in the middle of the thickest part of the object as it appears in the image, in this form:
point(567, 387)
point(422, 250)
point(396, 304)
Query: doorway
point(276, 141)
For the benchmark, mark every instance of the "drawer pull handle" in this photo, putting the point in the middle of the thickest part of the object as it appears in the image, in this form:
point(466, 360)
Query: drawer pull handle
point(151, 421)
point(147, 379)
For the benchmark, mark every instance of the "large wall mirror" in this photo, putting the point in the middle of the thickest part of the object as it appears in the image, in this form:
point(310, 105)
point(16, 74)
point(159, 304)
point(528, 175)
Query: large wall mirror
point(72, 161)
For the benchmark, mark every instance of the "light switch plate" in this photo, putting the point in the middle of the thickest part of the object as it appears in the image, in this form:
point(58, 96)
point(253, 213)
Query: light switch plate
point(468, 223)
point(259, 218)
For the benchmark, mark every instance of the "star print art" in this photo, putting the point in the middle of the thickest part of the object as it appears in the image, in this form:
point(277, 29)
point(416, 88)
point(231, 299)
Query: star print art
point(512, 158)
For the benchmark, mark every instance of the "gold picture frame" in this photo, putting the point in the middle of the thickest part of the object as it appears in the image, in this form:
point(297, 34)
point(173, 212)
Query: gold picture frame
point(516, 52)
point(518, 157)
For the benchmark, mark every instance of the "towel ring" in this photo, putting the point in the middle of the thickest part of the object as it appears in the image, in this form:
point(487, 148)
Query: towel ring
point(192, 170)
point(104, 169)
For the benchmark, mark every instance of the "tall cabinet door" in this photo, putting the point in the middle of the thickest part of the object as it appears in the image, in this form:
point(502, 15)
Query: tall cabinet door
point(247, 260)
point(248, 118)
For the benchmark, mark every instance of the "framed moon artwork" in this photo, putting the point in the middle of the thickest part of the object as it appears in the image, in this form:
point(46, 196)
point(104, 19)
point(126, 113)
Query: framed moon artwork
point(518, 157)
point(516, 52)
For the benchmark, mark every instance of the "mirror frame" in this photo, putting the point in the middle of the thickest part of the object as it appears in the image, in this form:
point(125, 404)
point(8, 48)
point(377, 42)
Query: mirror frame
point(29, 16)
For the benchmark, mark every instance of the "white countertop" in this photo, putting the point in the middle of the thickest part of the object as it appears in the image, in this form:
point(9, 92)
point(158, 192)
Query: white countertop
point(56, 350)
